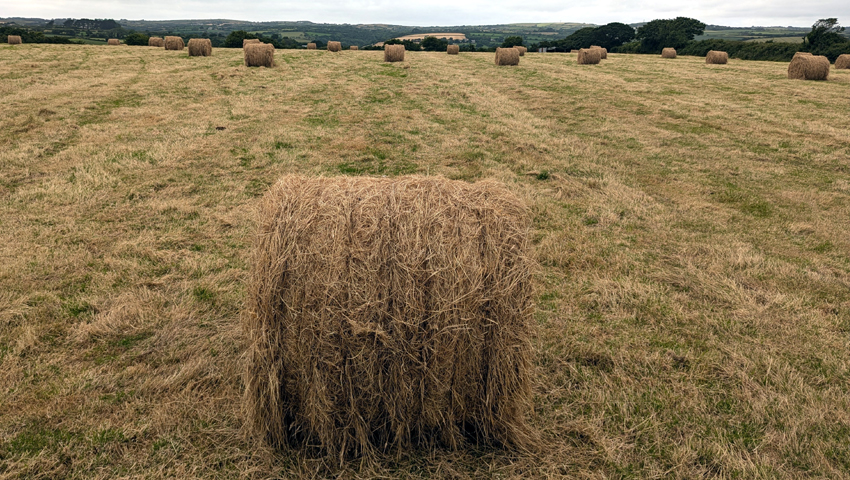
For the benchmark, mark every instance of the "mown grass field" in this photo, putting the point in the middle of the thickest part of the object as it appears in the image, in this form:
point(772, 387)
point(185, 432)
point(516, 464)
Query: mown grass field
point(690, 222)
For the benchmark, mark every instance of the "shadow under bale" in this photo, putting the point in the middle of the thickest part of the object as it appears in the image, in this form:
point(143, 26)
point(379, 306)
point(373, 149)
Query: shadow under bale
point(386, 314)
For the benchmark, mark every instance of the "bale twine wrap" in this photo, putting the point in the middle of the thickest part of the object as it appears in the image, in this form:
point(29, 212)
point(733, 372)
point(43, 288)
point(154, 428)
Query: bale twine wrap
point(713, 57)
point(453, 49)
point(249, 41)
point(113, 41)
point(200, 47)
point(589, 56)
point(808, 67)
point(393, 53)
point(259, 55)
point(522, 50)
point(14, 40)
point(389, 313)
point(311, 46)
point(354, 47)
point(668, 53)
point(843, 61)
point(507, 56)
point(156, 42)
point(174, 43)
point(334, 46)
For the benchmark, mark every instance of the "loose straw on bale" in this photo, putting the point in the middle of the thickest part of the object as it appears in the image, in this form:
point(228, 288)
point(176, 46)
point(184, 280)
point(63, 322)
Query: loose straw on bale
point(393, 53)
point(311, 46)
point(113, 41)
point(843, 61)
point(156, 42)
point(200, 47)
point(589, 56)
point(522, 50)
point(174, 43)
point(14, 40)
point(507, 56)
point(354, 47)
point(384, 314)
point(259, 55)
point(334, 46)
point(668, 53)
point(808, 67)
point(453, 49)
point(713, 57)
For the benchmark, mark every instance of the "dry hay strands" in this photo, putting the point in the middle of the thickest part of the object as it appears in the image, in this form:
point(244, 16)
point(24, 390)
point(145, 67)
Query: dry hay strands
point(713, 57)
point(156, 42)
point(589, 56)
point(354, 47)
point(808, 67)
point(174, 43)
point(668, 53)
point(603, 52)
point(311, 46)
point(522, 50)
point(259, 55)
point(802, 54)
point(249, 41)
point(393, 53)
point(843, 61)
point(334, 46)
point(384, 314)
point(507, 56)
point(200, 47)
point(453, 49)
point(113, 41)
point(14, 40)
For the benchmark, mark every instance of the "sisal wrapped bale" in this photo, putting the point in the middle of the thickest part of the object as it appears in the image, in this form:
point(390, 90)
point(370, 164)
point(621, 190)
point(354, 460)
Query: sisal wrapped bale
point(113, 41)
point(14, 40)
point(174, 43)
point(385, 314)
point(259, 55)
point(668, 53)
point(589, 56)
point(507, 56)
point(453, 49)
point(156, 42)
point(334, 46)
point(311, 46)
point(843, 61)
point(200, 47)
point(808, 67)
point(393, 53)
point(713, 57)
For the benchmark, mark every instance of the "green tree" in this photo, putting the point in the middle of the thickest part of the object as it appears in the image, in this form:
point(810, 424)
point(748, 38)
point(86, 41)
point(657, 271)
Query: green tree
point(612, 35)
point(826, 39)
point(234, 40)
point(434, 44)
point(675, 33)
point(136, 39)
point(512, 41)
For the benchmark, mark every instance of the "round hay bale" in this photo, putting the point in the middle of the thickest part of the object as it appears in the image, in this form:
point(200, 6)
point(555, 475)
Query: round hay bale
point(200, 47)
point(354, 47)
point(334, 46)
point(248, 41)
point(802, 54)
point(393, 53)
point(156, 42)
point(174, 43)
point(311, 46)
point(808, 67)
point(453, 49)
point(522, 50)
point(113, 41)
point(668, 53)
point(259, 55)
point(589, 56)
point(843, 61)
point(713, 57)
point(603, 52)
point(507, 56)
point(14, 40)
point(384, 314)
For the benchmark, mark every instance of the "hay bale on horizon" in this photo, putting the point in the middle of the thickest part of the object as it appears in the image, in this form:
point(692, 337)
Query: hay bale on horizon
point(156, 42)
point(393, 53)
point(808, 67)
point(354, 47)
point(113, 41)
point(249, 41)
point(522, 50)
point(507, 56)
point(334, 46)
point(174, 43)
point(14, 40)
point(714, 57)
point(843, 61)
point(385, 314)
point(259, 55)
point(453, 49)
point(200, 47)
point(668, 53)
point(311, 46)
point(589, 56)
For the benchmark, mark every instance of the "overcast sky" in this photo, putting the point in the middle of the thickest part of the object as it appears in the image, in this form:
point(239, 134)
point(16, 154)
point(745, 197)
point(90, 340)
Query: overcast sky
point(444, 12)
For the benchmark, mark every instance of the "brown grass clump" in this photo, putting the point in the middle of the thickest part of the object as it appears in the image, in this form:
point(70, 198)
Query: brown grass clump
point(156, 42)
point(589, 56)
point(843, 61)
point(393, 53)
point(808, 67)
point(507, 56)
point(248, 41)
point(453, 49)
point(384, 314)
point(354, 47)
point(334, 46)
point(14, 40)
point(668, 53)
point(311, 46)
point(259, 55)
point(522, 50)
point(113, 41)
point(200, 47)
point(713, 57)
point(174, 43)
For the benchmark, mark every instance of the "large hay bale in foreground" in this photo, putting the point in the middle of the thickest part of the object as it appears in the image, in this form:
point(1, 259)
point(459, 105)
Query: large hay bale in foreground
point(522, 50)
point(808, 67)
point(668, 53)
point(249, 41)
point(156, 42)
point(507, 56)
point(843, 61)
point(589, 56)
point(259, 55)
point(200, 47)
point(393, 53)
point(384, 314)
point(354, 47)
point(14, 40)
point(334, 46)
point(113, 41)
point(311, 46)
point(713, 57)
point(453, 49)
point(174, 43)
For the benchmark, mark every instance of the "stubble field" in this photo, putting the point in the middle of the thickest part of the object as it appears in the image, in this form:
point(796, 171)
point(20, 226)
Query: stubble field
point(693, 300)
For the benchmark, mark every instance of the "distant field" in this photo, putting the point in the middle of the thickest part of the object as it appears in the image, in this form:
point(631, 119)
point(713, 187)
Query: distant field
point(690, 223)
point(779, 39)
point(451, 36)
